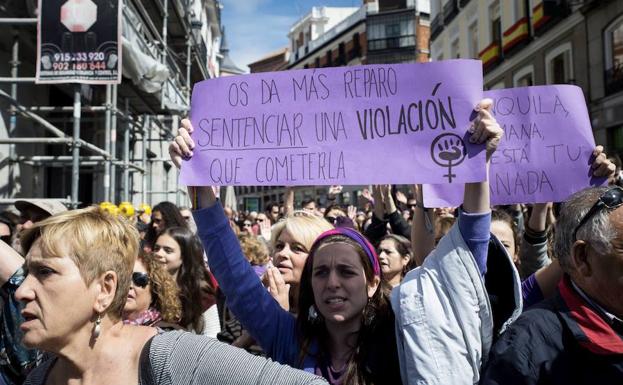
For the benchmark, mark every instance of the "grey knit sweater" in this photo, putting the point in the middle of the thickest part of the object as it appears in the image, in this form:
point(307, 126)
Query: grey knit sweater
point(177, 357)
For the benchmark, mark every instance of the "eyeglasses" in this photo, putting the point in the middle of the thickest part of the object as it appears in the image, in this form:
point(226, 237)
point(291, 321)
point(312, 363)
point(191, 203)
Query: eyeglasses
point(247, 224)
point(611, 199)
point(331, 219)
point(140, 279)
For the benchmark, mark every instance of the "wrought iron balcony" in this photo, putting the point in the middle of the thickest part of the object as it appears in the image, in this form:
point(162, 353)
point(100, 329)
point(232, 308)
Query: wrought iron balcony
point(436, 26)
point(450, 10)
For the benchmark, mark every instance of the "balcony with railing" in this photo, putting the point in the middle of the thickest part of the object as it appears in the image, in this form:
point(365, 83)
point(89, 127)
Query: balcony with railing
point(394, 42)
point(490, 56)
point(516, 35)
point(547, 13)
point(436, 26)
point(450, 10)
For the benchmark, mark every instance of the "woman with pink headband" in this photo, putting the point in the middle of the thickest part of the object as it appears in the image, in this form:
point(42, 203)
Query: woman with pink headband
point(345, 325)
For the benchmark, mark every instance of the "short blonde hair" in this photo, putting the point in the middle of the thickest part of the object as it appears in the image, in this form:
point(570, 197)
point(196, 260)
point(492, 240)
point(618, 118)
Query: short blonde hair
point(95, 241)
point(303, 227)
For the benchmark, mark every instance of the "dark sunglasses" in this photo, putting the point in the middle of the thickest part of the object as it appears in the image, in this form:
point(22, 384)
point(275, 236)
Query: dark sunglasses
point(611, 199)
point(140, 279)
point(331, 219)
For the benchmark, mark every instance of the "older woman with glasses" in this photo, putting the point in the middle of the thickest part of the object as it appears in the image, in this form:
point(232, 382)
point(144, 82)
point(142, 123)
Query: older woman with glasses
point(80, 265)
point(153, 299)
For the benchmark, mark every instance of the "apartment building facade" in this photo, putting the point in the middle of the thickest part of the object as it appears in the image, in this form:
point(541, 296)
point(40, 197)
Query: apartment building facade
point(535, 42)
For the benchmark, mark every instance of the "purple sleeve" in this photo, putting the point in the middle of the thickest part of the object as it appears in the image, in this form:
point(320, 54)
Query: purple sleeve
point(475, 230)
point(258, 312)
point(531, 291)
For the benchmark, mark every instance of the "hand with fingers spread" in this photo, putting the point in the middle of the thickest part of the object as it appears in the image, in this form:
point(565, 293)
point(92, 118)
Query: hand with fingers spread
point(401, 197)
point(602, 167)
point(277, 287)
point(352, 212)
point(378, 195)
point(265, 229)
point(485, 128)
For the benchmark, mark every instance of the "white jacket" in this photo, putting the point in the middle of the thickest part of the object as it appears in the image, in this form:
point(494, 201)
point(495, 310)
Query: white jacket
point(444, 323)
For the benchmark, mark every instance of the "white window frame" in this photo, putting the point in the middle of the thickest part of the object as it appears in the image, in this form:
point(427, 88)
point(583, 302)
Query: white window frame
point(608, 41)
point(554, 53)
point(529, 69)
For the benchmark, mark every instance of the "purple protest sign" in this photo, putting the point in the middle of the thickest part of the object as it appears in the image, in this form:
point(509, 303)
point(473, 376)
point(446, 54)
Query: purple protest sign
point(398, 123)
point(545, 153)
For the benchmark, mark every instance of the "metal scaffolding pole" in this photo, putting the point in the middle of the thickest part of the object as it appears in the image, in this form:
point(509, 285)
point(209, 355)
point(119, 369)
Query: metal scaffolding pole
point(107, 145)
point(174, 126)
point(126, 154)
point(13, 118)
point(113, 145)
point(144, 155)
point(36, 140)
point(150, 179)
point(75, 151)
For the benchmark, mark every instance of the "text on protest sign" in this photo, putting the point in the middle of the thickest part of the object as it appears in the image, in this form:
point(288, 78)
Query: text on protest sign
point(401, 123)
point(545, 153)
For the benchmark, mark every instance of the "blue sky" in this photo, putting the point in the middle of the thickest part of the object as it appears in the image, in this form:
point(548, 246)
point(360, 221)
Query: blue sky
point(255, 28)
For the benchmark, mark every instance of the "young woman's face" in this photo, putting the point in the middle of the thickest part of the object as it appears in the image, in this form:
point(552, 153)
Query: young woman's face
point(139, 298)
point(504, 233)
point(169, 252)
point(290, 256)
point(392, 262)
point(339, 283)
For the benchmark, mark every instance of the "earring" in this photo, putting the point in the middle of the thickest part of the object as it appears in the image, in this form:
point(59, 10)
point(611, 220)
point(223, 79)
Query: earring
point(312, 314)
point(98, 327)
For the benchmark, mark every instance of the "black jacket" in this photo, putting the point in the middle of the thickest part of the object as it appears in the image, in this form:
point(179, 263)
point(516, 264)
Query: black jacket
point(546, 345)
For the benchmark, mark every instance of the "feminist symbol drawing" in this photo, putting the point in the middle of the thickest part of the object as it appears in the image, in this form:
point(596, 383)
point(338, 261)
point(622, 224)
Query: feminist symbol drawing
point(448, 150)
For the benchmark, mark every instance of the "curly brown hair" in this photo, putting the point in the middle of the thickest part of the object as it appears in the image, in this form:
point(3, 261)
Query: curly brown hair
point(255, 250)
point(164, 290)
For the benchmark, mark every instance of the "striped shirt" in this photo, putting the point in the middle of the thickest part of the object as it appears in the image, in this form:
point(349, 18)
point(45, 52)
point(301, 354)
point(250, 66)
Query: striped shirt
point(179, 357)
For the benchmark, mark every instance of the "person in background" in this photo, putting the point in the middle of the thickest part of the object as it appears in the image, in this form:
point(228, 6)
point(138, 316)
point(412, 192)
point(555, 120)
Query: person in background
point(144, 213)
point(188, 217)
point(182, 253)
point(153, 298)
point(396, 258)
point(32, 211)
point(272, 211)
point(163, 216)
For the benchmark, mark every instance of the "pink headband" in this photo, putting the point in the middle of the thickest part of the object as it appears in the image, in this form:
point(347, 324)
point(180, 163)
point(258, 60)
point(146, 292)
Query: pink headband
point(358, 238)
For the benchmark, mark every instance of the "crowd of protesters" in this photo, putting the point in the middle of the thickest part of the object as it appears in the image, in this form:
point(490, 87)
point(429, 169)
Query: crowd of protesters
point(384, 291)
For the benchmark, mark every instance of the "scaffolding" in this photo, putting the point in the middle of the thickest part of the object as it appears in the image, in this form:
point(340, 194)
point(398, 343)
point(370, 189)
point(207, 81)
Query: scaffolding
point(171, 37)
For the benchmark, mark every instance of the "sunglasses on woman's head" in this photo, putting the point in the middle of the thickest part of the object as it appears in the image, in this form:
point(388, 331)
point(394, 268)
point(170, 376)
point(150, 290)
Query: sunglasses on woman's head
point(140, 279)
